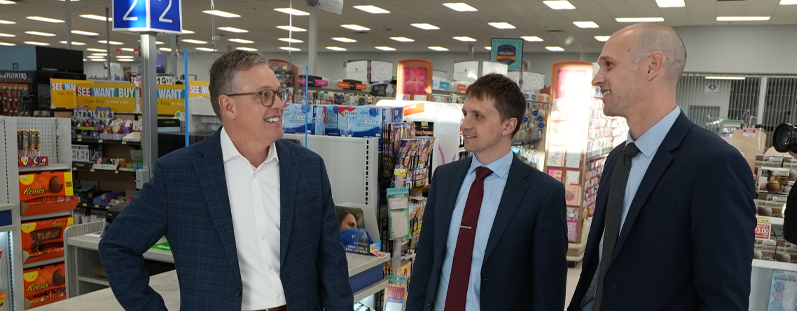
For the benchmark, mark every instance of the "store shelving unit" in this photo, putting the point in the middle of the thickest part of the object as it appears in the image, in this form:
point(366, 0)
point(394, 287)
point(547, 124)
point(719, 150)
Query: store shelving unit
point(761, 276)
point(8, 279)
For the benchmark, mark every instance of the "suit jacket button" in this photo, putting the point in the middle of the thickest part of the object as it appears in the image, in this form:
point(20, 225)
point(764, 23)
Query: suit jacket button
point(437, 271)
point(484, 280)
point(430, 304)
point(237, 293)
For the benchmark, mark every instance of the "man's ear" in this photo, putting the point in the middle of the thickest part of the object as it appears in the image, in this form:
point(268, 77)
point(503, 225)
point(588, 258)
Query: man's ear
point(227, 107)
point(655, 64)
point(509, 127)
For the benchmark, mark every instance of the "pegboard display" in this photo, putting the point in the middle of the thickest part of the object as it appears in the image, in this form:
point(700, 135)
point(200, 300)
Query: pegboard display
point(49, 135)
point(5, 271)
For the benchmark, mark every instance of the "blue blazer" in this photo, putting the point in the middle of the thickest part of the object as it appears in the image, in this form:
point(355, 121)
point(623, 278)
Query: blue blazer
point(687, 242)
point(187, 201)
point(524, 264)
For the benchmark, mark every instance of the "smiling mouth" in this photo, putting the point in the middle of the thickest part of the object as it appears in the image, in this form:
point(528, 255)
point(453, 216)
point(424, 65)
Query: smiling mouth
point(603, 94)
point(273, 120)
point(469, 136)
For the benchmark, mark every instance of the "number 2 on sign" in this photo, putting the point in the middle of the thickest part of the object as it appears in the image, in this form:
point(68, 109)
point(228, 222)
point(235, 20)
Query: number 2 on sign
point(126, 17)
point(762, 231)
point(166, 20)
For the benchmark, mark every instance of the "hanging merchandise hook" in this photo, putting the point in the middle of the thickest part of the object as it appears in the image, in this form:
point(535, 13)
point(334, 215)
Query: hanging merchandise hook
point(212, 30)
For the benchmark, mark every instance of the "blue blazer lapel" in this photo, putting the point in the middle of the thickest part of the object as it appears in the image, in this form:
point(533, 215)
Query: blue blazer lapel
point(656, 169)
point(516, 185)
point(449, 192)
point(210, 169)
point(289, 182)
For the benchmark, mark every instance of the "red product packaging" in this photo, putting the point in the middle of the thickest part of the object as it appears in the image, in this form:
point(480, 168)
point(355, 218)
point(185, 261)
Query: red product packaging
point(43, 279)
point(45, 184)
point(43, 240)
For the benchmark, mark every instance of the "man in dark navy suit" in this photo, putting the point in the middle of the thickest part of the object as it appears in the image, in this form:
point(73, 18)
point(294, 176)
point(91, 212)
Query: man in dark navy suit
point(494, 232)
point(674, 219)
point(249, 217)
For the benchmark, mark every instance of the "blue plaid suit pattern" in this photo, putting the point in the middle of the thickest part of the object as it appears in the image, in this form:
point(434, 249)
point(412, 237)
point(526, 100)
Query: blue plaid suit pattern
point(187, 201)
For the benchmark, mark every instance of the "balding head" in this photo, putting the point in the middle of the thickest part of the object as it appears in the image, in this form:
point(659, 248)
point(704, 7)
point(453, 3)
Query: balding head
point(659, 37)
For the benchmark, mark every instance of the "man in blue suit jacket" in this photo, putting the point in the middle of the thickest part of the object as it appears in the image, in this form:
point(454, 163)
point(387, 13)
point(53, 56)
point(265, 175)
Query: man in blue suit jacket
point(686, 229)
point(249, 218)
point(514, 244)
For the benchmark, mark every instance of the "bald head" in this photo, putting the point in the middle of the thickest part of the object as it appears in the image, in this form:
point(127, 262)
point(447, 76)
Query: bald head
point(652, 37)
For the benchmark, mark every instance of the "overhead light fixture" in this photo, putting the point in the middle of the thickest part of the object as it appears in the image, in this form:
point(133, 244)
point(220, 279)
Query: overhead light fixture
point(724, 78)
point(502, 25)
point(2, 21)
point(187, 32)
point(559, 5)
point(128, 49)
point(45, 19)
point(156, 42)
point(96, 50)
point(194, 41)
point(742, 18)
point(85, 33)
point(110, 42)
point(402, 39)
point(96, 17)
point(385, 48)
point(6, 2)
point(125, 60)
point(97, 60)
point(292, 28)
point(344, 39)
point(371, 9)
point(489, 48)
point(7, 44)
point(670, 3)
point(205, 49)
point(240, 40)
point(788, 2)
point(289, 48)
point(165, 49)
point(99, 54)
point(221, 13)
point(36, 43)
point(425, 26)
point(124, 56)
point(355, 27)
point(464, 38)
point(460, 7)
point(438, 48)
point(39, 33)
point(73, 43)
point(532, 38)
point(639, 19)
point(233, 29)
point(602, 38)
point(243, 48)
point(7, 35)
point(585, 24)
point(292, 11)
point(335, 48)
point(554, 48)
point(289, 40)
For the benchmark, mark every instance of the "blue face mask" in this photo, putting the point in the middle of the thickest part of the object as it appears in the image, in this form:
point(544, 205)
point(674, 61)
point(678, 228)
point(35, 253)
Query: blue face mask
point(350, 236)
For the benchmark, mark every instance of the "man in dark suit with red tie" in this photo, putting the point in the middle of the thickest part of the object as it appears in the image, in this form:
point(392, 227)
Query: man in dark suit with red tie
point(494, 232)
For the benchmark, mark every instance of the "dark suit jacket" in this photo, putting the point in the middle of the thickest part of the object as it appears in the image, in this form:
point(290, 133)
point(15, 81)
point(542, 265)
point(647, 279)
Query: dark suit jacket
point(187, 201)
point(687, 242)
point(524, 264)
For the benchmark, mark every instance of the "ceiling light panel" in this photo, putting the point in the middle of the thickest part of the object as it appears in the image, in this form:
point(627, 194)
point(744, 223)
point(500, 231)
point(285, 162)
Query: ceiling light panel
point(488, 48)
point(85, 33)
point(205, 49)
point(194, 41)
point(585, 24)
point(670, 3)
point(742, 18)
point(165, 49)
point(460, 7)
point(39, 33)
point(110, 42)
point(402, 39)
point(7, 44)
point(73, 43)
point(292, 11)
point(344, 39)
point(335, 48)
point(532, 38)
point(128, 50)
point(602, 38)
point(45, 19)
point(8, 35)
point(6, 2)
point(233, 29)
point(371, 9)
point(438, 48)
point(554, 48)
point(385, 48)
point(96, 17)
point(639, 19)
point(243, 48)
point(221, 13)
point(237, 40)
point(96, 50)
point(788, 2)
point(559, 5)
point(289, 48)
point(464, 39)
point(355, 27)
point(502, 25)
point(425, 26)
point(292, 28)
point(187, 32)
point(36, 43)
point(289, 40)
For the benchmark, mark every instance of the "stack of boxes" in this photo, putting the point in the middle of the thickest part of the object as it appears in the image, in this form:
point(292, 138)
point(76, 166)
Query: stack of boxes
point(346, 121)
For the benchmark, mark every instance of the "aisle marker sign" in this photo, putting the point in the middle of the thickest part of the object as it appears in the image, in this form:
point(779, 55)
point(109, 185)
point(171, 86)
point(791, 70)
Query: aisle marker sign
point(148, 15)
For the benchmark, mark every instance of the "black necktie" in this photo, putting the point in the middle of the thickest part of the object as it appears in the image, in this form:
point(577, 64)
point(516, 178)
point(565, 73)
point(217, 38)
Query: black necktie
point(614, 212)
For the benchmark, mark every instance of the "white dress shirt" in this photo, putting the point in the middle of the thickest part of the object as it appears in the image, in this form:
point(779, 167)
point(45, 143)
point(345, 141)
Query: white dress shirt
point(254, 194)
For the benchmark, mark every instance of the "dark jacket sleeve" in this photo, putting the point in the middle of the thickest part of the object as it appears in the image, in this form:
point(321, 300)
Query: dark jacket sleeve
point(790, 217)
point(424, 259)
point(550, 238)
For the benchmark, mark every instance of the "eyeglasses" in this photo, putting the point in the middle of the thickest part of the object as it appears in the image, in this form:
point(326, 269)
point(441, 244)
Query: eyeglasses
point(267, 97)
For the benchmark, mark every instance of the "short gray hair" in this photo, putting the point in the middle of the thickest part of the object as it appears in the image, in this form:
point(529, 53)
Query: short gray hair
point(660, 37)
point(224, 70)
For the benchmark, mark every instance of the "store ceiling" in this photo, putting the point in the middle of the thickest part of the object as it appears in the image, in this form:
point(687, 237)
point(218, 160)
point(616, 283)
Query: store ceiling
point(531, 17)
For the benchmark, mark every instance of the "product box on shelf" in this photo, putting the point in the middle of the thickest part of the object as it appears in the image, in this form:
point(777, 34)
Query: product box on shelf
point(44, 184)
point(361, 121)
point(771, 205)
point(45, 298)
point(331, 118)
point(776, 179)
point(766, 160)
point(783, 290)
point(43, 279)
point(294, 115)
point(43, 239)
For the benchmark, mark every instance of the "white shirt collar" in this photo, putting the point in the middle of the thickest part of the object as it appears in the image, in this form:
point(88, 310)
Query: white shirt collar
point(650, 141)
point(228, 150)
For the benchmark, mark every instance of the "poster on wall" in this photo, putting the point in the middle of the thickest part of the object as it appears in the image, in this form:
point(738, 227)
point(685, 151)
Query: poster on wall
point(381, 72)
point(62, 92)
point(508, 51)
point(414, 80)
point(120, 97)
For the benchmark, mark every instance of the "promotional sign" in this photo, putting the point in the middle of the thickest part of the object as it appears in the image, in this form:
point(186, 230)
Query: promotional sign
point(171, 98)
point(466, 71)
point(508, 51)
point(147, 15)
point(762, 231)
point(381, 72)
point(120, 97)
point(164, 80)
point(357, 70)
point(198, 89)
point(334, 6)
point(62, 92)
point(415, 81)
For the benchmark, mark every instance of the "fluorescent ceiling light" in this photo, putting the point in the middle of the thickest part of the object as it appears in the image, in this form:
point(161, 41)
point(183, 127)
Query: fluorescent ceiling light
point(221, 13)
point(335, 48)
point(194, 41)
point(7, 35)
point(355, 27)
point(45, 19)
point(371, 9)
point(125, 60)
point(438, 48)
point(128, 49)
point(344, 39)
point(554, 48)
point(240, 40)
point(639, 19)
point(98, 60)
point(39, 33)
point(36, 43)
point(2, 21)
point(233, 29)
point(670, 3)
point(723, 78)
point(85, 33)
point(585, 24)
point(156, 42)
point(96, 50)
point(188, 32)
point(96, 17)
point(7, 44)
point(460, 7)
point(292, 28)
point(402, 39)
point(6, 2)
point(788, 2)
point(124, 56)
point(96, 56)
point(292, 11)
point(289, 48)
point(165, 49)
point(602, 38)
point(110, 42)
point(532, 38)
point(205, 49)
point(243, 48)
point(425, 26)
point(385, 48)
point(501, 25)
point(70, 0)
point(742, 18)
point(464, 38)
point(559, 5)
point(99, 54)
point(73, 43)
point(489, 48)
point(289, 40)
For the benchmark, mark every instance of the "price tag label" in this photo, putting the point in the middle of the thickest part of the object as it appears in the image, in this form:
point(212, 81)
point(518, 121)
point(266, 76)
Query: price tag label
point(399, 172)
point(100, 141)
point(762, 231)
point(763, 220)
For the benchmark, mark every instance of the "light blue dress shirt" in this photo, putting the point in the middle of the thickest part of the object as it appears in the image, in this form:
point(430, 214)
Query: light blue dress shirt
point(648, 144)
point(493, 190)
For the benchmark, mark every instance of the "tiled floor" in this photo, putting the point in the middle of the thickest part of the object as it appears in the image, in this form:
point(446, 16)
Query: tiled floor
point(572, 280)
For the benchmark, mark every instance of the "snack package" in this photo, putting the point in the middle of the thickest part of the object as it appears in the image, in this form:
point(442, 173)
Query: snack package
point(44, 239)
point(43, 279)
point(44, 184)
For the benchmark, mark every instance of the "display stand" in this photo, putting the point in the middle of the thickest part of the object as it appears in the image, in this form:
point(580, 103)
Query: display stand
point(414, 79)
point(761, 277)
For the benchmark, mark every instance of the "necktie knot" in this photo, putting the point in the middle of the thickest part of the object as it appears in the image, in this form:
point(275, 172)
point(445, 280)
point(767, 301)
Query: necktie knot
point(631, 150)
point(482, 172)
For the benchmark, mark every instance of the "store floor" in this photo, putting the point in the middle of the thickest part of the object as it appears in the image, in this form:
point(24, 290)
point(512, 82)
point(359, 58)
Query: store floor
point(572, 281)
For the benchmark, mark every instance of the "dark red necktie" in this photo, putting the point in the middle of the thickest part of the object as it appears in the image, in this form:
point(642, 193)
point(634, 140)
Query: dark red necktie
point(463, 255)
